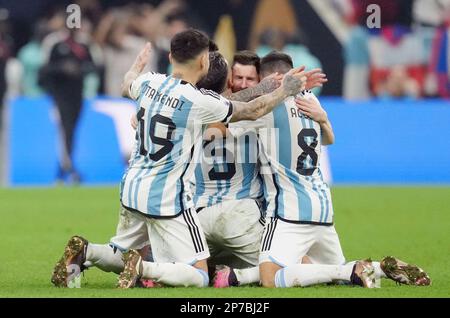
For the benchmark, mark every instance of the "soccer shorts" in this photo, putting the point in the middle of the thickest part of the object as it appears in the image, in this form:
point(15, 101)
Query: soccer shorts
point(233, 230)
point(286, 243)
point(179, 239)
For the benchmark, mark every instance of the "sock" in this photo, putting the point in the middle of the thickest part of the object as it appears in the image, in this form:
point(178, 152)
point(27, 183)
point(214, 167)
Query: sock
point(105, 257)
point(378, 271)
point(247, 276)
point(175, 274)
point(311, 274)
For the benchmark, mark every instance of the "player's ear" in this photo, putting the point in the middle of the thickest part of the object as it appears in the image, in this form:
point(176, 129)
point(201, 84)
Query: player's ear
point(229, 80)
point(170, 58)
point(204, 61)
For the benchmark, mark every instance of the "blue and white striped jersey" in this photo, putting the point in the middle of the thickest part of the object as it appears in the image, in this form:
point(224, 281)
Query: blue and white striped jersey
point(290, 145)
point(172, 114)
point(228, 169)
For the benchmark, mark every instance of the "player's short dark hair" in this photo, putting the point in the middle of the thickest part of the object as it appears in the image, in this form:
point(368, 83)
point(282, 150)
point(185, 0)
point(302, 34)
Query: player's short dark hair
point(217, 75)
point(276, 61)
point(247, 58)
point(188, 44)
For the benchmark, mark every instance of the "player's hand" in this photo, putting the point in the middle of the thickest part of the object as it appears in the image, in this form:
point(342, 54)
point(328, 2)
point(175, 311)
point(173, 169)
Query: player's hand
point(315, 78)
point(311, 108)
point(134, 121)
point(142, 58)
point(294, 81)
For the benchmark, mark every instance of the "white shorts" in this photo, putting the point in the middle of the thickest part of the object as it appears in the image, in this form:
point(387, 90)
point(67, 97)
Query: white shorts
point(233, 230)
point(286, 243)
point(179, 239)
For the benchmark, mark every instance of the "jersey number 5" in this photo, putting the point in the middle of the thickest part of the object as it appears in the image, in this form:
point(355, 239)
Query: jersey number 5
point(308, 150)
point(230, 167)
point(165, 142)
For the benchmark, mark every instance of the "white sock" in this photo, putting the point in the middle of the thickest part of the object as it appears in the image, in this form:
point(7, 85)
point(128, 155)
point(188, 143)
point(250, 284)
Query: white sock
point(105, 257)
point(175, 274)
point(247, 276)
point(311, 274)
point(378, 271)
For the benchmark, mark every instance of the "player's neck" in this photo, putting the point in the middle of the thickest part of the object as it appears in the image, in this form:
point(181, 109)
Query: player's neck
point(186, 75)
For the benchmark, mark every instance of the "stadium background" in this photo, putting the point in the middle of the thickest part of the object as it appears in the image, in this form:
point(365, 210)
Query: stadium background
point(383, 138)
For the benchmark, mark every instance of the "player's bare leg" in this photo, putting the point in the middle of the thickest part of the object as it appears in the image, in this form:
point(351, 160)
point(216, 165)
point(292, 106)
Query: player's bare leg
point(267, 271)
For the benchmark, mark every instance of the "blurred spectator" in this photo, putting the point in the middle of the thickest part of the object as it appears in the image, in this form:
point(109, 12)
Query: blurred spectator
point(438, 79)
point(374, 57)
point(123, 33)
point(67, 62)
point(175, 24)
point(357, 65)
point(398, 84)
point(396, 45)
point(431, 13)
point(5, 54)
point(430, 20)
point(295, 44)
point(120, 48)
point(31, 57)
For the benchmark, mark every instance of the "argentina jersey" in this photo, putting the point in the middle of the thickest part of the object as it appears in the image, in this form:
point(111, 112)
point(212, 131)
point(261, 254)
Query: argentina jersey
point(293, 183)
point(228, 169)
point(171, 116)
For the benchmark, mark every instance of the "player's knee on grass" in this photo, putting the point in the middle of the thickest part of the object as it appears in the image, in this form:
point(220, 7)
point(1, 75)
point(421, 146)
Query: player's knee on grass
point(267, 273)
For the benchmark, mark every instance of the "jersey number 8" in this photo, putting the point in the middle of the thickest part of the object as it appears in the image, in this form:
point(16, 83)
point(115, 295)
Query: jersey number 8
point(308, 150)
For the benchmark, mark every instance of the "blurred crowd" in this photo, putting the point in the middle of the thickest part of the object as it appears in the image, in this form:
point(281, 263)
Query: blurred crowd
point(110, 39)
point(70, 64)
point(408, 57)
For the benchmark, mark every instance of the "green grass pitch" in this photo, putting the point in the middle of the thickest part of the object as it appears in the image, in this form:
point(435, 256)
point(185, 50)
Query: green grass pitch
point(410, 223)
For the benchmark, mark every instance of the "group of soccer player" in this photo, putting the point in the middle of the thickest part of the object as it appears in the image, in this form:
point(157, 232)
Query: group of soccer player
point(224, 186)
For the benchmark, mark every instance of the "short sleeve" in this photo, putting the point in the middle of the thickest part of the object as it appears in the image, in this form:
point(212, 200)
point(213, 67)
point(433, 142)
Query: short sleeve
point(136, 86)
point(213, 108)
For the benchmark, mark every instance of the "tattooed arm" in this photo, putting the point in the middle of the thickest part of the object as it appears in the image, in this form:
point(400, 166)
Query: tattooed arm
point(314, 78)
point(293, 82)
point(266, 86)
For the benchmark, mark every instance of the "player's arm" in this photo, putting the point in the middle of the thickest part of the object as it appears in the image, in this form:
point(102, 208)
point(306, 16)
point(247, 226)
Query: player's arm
point(314, 78)
point(266, 86)
point(293, 82)
point(135, 70)
point(311, 107)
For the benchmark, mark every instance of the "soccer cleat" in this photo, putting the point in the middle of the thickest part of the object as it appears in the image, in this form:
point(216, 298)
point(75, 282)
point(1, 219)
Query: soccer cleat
point(225, 277)
point(71, 262)
point(132, 271)
point(363, 274)
point(404, 273)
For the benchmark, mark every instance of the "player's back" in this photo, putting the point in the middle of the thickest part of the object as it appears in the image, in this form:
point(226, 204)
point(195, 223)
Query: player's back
point(228, 169)
point(290, 147)
point(171, 116)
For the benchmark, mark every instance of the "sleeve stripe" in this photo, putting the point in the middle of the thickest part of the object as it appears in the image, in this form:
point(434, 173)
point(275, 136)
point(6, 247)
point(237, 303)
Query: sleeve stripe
point(230, 112)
